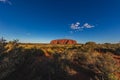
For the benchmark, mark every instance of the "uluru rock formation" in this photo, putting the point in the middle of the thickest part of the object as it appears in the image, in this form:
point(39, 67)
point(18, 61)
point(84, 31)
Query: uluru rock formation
point(63, 41)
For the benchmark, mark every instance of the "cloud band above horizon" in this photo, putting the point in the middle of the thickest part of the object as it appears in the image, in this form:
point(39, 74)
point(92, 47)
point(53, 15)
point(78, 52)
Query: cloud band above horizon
point(76, 26)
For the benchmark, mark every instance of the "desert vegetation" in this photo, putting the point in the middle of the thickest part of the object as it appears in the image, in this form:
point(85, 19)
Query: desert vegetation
point(89, 61)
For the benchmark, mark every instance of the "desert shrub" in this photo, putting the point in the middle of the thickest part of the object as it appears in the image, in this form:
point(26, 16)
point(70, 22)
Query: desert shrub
point(108, 47)
point(106, 66)
point(87, 47)
point(12, 58)
point(90, 43)
point(34, 51)
point(111, 76)
point(103, 65)
point(50, 51)
point(2, 46)
point(117, 51)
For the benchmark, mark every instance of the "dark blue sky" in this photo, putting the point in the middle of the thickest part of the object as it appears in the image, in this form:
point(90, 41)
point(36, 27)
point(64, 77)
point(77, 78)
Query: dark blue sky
point(44, 20)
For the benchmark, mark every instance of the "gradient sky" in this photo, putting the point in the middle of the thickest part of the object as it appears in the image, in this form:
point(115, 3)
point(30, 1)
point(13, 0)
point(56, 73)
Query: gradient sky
point(45, 20)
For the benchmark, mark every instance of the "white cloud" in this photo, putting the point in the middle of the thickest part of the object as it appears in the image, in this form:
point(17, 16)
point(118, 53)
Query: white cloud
point(75, 27)
point(6, 1)
point(86, 25)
